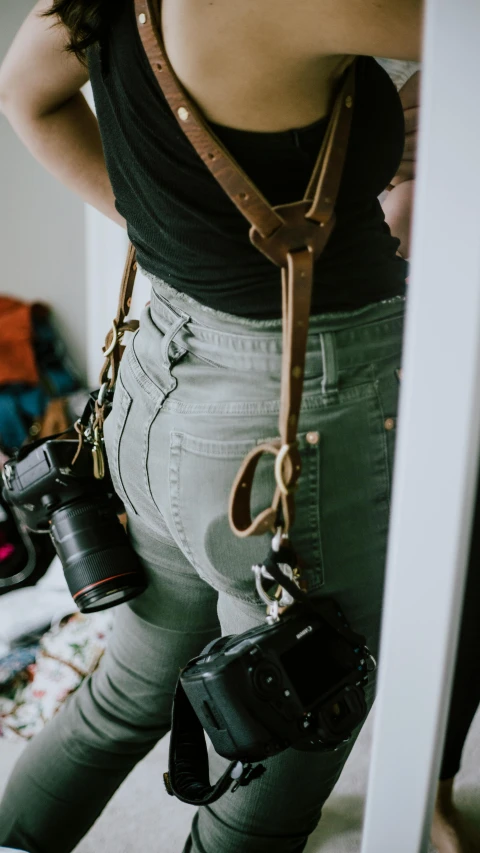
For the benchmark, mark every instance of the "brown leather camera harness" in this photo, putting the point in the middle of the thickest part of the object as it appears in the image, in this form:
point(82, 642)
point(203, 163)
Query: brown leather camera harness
point(293, 237)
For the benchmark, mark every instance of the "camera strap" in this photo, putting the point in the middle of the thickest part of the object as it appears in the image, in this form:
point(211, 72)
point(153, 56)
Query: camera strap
point(113, 348)
point(292, 236)
point(188, 766)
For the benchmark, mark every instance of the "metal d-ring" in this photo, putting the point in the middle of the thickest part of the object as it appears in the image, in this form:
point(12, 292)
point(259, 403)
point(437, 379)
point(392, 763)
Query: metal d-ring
point(102, 393)
point(273, 603)
point(279, 460)
point(261, 572)
point(114, 341)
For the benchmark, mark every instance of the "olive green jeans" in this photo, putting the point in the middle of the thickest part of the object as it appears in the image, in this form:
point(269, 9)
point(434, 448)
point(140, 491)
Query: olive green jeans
point(197, 390)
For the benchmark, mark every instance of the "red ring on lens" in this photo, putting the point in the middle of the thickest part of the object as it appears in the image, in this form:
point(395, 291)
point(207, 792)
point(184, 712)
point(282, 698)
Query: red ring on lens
point(98, 583)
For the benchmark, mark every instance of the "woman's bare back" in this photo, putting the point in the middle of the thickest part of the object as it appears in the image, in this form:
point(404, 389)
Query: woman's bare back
point(270, 65)
point(261, 65)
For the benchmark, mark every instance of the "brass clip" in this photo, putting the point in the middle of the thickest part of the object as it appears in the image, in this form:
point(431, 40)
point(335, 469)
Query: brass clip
point(98, 457)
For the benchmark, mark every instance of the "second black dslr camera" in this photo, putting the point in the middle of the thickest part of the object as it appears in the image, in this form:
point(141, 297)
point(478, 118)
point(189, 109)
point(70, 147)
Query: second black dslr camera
point(298, 681)
point(50, 493)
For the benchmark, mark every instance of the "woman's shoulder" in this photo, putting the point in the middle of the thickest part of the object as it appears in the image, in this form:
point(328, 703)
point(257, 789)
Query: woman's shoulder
point(268, 65)
point(314, 28)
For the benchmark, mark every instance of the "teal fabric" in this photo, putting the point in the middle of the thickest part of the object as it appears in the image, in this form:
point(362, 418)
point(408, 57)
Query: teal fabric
point(197, 390)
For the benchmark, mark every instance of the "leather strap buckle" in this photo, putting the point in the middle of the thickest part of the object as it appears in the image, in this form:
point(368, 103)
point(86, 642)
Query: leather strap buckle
point(240, 516)
point(296, 233)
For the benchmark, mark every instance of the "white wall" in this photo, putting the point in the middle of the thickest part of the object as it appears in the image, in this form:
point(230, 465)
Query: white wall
point(42, 224)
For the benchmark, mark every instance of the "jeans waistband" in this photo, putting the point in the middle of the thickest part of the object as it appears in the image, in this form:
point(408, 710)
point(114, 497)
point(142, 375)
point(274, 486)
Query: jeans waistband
point(362, 335)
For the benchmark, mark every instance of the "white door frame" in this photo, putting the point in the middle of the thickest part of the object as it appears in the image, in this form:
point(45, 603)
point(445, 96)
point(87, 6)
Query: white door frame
point(437, 446)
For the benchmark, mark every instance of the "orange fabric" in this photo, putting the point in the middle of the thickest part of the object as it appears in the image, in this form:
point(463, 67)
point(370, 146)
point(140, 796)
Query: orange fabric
point(17, 356)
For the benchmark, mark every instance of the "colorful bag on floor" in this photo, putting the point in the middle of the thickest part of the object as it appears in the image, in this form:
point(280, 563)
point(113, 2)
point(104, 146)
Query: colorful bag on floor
point(34, 369)
point(20, 550)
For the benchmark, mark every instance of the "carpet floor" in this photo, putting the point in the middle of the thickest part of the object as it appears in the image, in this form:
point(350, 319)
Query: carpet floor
point(142, 817)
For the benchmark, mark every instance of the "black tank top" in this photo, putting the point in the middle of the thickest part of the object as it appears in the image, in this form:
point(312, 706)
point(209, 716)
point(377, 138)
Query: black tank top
point(188, 232)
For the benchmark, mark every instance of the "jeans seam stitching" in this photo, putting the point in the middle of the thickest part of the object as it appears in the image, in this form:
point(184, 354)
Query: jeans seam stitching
point(314, 491)
point(176, 444)
point(125, 410)
point(384, 443)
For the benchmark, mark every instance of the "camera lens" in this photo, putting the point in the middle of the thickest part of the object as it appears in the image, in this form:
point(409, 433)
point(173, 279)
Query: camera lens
point(101, 568)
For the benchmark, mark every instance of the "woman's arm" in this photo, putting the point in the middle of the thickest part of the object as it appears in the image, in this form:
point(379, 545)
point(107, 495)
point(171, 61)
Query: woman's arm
point(410, 98)
point(390, 28)
point(397, 207)
point(40, 96)
point(398, 204)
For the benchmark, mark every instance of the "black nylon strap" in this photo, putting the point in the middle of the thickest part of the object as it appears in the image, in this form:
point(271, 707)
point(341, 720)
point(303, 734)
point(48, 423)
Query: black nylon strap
point(188, 767)
point(188, 777)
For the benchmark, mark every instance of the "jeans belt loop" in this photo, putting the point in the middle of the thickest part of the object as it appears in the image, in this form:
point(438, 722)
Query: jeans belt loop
point(168, 357)
point(330, 366)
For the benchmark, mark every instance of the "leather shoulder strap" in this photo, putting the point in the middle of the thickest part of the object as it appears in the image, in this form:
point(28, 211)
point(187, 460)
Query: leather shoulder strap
point(227, 172)
point(113, 349)
point(265, 219)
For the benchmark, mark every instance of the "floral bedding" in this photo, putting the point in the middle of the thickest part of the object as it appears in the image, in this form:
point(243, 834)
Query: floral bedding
point(66, 655)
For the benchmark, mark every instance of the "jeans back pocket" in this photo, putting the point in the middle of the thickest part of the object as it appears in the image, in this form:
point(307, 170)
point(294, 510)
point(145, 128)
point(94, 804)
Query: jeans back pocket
point(200, 480)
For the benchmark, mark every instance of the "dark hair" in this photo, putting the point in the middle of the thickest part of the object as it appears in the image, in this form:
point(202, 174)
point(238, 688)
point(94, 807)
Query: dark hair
point(85, 20)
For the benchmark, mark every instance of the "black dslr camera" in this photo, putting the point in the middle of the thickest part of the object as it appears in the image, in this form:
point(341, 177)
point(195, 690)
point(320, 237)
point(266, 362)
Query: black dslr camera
point(51, 494)
point(296, 682)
